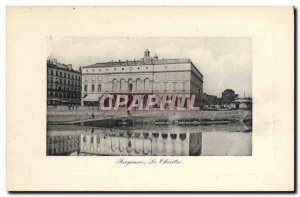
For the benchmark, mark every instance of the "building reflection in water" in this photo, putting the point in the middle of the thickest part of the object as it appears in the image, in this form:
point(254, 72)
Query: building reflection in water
point(141, 144)
point(63, 144)
point(124, 143)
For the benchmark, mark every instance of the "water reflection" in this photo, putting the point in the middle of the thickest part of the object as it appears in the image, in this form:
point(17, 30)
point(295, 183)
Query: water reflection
point(169, 141)
point(101, 143)
point(62, 144)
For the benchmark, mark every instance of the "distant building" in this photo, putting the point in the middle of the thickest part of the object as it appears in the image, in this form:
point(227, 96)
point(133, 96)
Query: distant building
point(63, 84)
point(241, 103)
point(145, 76)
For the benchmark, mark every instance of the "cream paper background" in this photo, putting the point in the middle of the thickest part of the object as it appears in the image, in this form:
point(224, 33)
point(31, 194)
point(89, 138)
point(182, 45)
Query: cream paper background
point(271, 167)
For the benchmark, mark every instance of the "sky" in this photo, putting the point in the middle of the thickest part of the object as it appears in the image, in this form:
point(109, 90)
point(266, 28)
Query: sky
point(225, 62)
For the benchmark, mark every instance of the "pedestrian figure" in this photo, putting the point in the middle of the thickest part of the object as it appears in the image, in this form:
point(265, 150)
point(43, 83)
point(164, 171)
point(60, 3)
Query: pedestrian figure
point(76, 107)
point(93, 116)
point(69, 107)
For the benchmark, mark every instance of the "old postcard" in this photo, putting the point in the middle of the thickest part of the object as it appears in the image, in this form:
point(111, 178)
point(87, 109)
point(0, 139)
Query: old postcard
point(202, 96)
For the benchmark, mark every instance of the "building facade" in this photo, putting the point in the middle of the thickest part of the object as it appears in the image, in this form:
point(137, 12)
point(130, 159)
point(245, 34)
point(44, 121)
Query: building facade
point(241, 103)
point(145, 76)
point(63, 84)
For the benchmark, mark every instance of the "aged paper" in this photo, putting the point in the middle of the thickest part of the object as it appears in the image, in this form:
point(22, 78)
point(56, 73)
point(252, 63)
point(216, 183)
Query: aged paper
point(256, 46)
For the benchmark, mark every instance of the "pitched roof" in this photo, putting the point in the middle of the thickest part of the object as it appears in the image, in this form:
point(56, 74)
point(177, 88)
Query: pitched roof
point(242, 100)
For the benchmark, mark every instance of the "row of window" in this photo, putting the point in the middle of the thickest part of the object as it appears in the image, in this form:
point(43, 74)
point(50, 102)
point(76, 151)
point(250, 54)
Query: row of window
point(172, 76)
point(63, 88)
point(165, 86)
point(93, 78)
point(65, 75)
point(140, 86)
point(161, 76)
point(92, 88)
point(65, 82)
point(116, 69)
point(64, 95)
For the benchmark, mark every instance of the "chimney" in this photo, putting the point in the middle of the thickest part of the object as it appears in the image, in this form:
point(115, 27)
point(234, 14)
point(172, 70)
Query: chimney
point(54, 61)
point(69, 66)
point(147, 53)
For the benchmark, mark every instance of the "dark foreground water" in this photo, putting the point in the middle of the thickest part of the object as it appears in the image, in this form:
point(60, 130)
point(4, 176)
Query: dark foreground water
point(214, 140)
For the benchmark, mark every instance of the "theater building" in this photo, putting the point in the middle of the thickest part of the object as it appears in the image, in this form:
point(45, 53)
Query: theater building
point(145, 76)
point(63, 84)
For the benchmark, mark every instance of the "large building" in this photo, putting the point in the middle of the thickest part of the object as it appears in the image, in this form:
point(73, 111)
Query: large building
point(63, 84)
point(146, 76)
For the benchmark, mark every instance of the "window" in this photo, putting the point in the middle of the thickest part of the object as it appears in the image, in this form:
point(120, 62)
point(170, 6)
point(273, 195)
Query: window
point(139, 84)
point(60, 74)
point(93, 88)
point(85, 88)
point(51, 72)
point(65, 74)
point(68, 76)
point(174, 86)
point(114, 85)
point(147, 84)
point(99, 88)
point(182, 86)
point(165, 86)
point(99, 78)
point(93, 78)
point(122, 85)
point(86, 78)
point(130, 87)
point(57, 73)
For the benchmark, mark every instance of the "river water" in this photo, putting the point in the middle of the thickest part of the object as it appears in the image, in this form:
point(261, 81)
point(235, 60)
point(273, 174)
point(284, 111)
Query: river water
point(234, 139)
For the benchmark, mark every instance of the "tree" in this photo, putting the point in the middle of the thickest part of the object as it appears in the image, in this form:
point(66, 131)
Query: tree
point(228, 96)
point(210, 99)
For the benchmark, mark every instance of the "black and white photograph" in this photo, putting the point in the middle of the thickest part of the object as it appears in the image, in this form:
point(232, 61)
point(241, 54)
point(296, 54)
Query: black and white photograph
point(150, 99)
point(149, 96)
